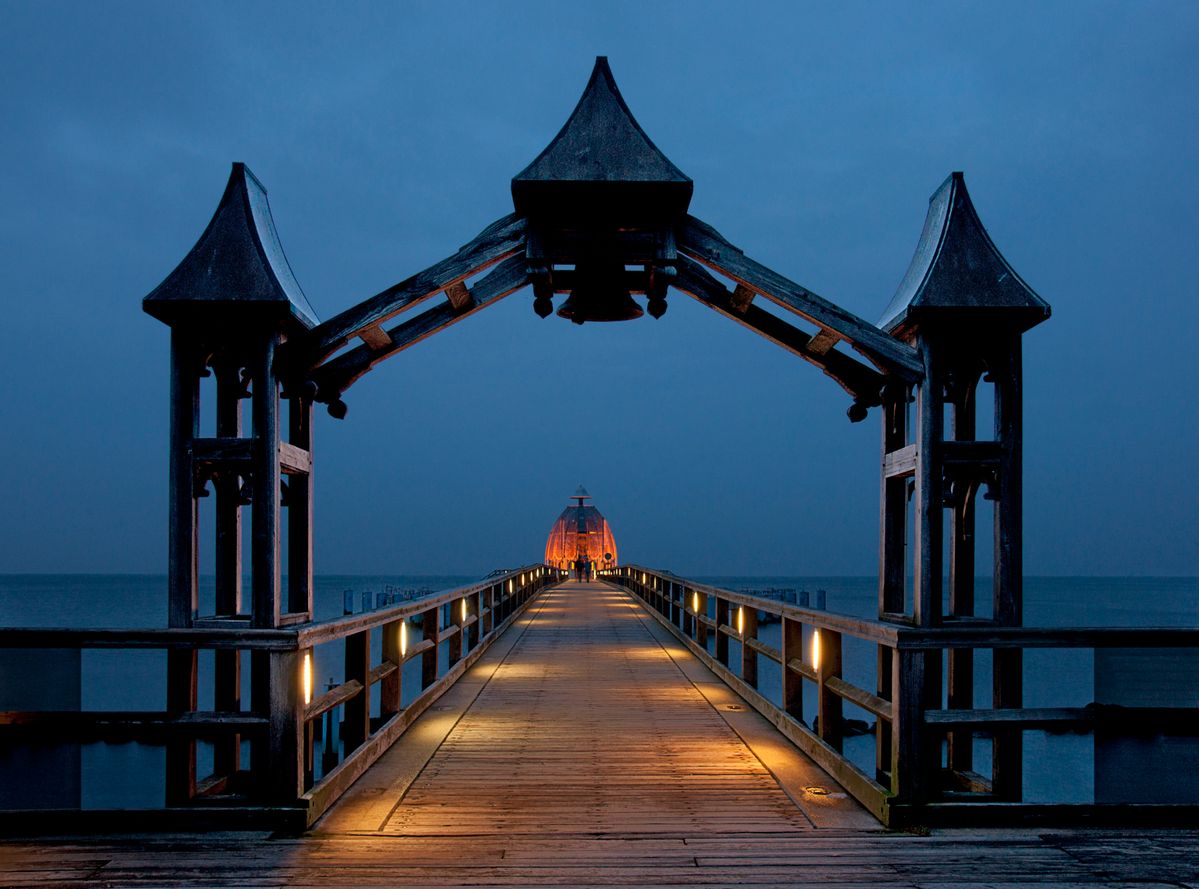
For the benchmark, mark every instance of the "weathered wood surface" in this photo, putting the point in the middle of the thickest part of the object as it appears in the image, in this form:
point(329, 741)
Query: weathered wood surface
point(592, 752)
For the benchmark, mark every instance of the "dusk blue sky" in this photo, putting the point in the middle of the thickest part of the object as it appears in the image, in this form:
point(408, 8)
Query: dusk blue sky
point(387, 136)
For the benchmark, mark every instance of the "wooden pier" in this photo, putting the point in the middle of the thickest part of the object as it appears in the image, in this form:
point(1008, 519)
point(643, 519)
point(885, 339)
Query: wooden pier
point(589, 747)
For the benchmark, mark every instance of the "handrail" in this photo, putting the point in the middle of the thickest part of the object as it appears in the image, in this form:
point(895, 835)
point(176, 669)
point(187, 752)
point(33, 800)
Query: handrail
point(280, 776)
point(317, 632)
point(914, 717)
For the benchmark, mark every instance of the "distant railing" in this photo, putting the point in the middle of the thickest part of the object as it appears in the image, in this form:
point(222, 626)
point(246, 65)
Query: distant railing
point(923, 743)
point(286, 709)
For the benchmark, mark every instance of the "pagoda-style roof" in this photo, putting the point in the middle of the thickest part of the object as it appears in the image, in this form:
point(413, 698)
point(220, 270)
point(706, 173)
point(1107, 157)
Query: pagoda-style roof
point(601, 167)
point(958, 273)
point(237, 261)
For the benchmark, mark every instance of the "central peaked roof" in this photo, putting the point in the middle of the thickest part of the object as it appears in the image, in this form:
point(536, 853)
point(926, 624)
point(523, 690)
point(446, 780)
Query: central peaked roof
point(601, 166)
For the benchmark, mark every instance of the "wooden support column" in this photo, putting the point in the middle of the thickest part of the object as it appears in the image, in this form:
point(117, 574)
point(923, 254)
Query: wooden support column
point(357, 720)
point(299, 512)
point(893, 504)
point(828, 705)
point(1008, 675)
point(226, 752)
point(264, 556)
point(701, 628)
point(929, 536)
point(929, 496)
point(960, 754)
point(749, 656)
point(183, 571)
point(182, 529)
point(792, 649)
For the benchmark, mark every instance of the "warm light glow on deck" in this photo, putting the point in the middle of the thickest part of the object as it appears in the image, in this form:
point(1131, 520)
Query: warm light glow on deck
point(306, 678)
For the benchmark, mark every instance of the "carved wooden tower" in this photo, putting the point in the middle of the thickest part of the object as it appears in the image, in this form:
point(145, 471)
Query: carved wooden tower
point(965, 309)
point(231, 303)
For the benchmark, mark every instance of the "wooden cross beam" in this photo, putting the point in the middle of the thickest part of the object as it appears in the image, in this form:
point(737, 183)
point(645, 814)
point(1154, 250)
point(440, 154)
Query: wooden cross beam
point(338, 374)
point(862, 382)
point(498, 241)
point(704, 244)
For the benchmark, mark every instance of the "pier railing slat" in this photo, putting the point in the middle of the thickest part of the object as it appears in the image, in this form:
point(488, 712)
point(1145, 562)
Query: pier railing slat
point(913, 722)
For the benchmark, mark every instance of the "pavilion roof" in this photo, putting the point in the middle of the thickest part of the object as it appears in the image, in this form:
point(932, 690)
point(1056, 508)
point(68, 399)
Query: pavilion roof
point(237, 260)
point(957, 267)
point(601, 164)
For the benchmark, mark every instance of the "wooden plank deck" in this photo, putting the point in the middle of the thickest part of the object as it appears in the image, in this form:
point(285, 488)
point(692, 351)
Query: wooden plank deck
point(588, 748)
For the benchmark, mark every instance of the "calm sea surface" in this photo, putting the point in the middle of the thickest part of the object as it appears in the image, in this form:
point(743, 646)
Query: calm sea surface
point(1058, 767)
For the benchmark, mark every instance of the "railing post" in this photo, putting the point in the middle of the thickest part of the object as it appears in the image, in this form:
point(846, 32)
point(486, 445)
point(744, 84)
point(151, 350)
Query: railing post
point(882, 728)
point(430, 629)
point(828, 704)
point(701, 628)
point(284, 772)
point(688, 613)
point(749, 656)
point(909, 779)
point(391, 690)
point(457, 644)
point(722, 639)
point(182, 697)
point(792, 650)
point(358, 708)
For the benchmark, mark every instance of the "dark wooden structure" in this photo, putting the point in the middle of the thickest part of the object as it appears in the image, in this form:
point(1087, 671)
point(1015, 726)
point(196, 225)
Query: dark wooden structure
point(600, 215)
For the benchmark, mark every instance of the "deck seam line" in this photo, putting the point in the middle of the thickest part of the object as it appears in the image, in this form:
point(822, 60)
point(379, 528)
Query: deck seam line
point(526, 622)
point(642, 613)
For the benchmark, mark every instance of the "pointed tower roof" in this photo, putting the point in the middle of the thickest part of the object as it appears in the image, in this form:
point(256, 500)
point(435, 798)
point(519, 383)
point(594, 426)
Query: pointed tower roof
point(580, 491)
point(958, 272)
point(601, 165)
point(237, 261)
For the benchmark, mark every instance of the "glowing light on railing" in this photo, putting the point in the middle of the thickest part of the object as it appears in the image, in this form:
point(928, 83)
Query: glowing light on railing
point(695, 602)
point(464, 611)
point(306, 678)
point(741, 620)
point(511, 585)
point(816, 649)
point(403, 639)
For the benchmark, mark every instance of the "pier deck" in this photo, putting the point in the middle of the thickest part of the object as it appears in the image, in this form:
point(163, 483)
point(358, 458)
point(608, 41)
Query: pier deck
point(588, 747)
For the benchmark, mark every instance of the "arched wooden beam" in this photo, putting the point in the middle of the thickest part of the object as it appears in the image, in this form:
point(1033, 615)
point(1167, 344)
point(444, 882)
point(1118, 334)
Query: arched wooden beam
point(338, 374)
point(863, 383)
point(703, 243)
point(498, 241)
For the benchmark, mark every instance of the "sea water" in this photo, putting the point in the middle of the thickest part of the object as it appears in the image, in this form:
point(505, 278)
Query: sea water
point(1058, 766)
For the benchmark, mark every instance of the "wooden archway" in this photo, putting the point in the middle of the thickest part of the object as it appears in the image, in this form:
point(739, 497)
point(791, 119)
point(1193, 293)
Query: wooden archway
point(600, 196)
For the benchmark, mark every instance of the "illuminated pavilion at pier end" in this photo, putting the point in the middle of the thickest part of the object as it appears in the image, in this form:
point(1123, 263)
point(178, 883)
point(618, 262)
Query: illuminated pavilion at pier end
point(581, 538)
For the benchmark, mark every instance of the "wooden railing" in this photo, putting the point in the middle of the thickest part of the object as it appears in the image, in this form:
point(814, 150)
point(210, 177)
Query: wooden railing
point(923, 768)
point(282, 784)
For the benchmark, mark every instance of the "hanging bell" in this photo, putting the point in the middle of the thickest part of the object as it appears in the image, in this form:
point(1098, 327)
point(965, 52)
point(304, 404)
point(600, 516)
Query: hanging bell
point(601, 294)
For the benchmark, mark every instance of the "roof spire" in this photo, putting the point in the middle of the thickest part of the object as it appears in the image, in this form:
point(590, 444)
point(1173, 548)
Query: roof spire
point(238, 261)
point(958, 273)
point(601, 166)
